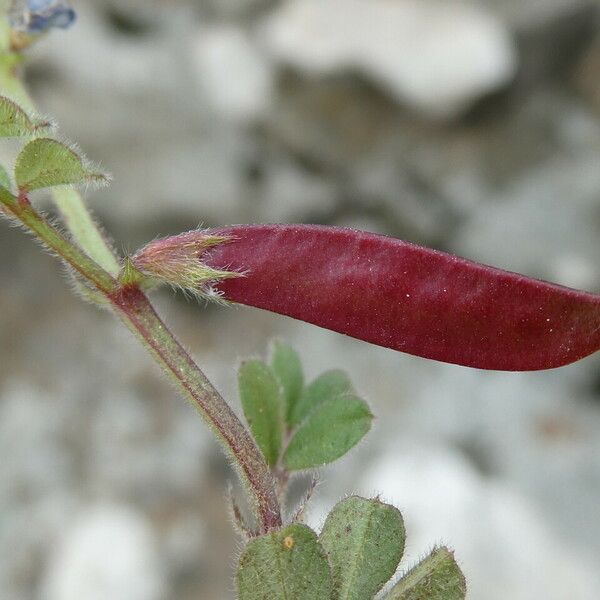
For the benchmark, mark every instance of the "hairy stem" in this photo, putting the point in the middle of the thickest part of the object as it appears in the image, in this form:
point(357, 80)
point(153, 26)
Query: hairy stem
point(137, 313)
point(21, 209)
point(135, 310)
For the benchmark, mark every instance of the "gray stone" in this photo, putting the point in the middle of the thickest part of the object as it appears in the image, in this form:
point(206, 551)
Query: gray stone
point(436, 56)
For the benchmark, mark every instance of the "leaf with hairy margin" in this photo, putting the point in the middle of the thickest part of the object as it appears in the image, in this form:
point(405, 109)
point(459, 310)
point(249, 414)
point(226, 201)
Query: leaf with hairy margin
point(285, 565)
point(45, 162)
point(15, 122)
point(436, 577)
point(364, 540)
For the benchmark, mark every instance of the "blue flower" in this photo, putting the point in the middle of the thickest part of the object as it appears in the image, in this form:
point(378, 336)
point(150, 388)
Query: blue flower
point(37, 5)
point(38, 16)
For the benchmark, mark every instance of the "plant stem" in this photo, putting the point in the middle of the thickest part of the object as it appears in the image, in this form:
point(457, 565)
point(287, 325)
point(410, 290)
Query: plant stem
point(136, 311)
point(21, 209)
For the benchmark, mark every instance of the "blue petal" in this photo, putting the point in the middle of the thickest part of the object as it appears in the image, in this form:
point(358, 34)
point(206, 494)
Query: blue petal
point(38, 16)
point(39, 5)
point(61, 17)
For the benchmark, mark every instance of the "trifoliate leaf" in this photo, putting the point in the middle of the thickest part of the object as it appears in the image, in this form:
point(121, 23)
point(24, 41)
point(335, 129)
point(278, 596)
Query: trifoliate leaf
point(364, 541)
point(262, 400)
point(329, 432)
point(15, 122)
point(287, 367)
point(44, 163)
point(437, 577)
point(286, 565)
point(328, 385)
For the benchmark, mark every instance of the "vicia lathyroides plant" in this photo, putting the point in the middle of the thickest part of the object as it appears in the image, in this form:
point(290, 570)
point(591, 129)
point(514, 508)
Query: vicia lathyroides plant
point(371, 287)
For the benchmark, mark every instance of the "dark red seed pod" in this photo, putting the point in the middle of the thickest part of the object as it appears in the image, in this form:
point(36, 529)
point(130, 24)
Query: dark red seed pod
point(401, 296)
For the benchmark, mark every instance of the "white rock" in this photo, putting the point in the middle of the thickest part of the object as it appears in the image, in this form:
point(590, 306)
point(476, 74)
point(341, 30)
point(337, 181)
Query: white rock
point(502, 543)
point(542, 224)
point(437, 56)
point(289, 193)
point(108, 554)
point(233, 75)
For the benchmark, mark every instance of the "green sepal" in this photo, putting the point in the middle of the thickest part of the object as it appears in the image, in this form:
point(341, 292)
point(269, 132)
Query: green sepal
point(328, 385)
point(45, 162)
point(436, 577)
point(285, 565)
point(334, 427)
point(286, 365)
point(129, 275)
point(15, 122)
point(262, 400)
point(364, 541)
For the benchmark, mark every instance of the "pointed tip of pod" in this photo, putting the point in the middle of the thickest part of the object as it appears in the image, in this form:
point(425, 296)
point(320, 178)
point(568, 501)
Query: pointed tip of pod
point(408, 298)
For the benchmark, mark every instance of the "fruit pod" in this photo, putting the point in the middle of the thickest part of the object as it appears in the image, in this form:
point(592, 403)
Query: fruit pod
point(405, 297)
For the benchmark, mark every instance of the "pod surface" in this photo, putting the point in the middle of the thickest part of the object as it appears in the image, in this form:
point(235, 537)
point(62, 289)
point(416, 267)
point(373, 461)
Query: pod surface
point(408, 298)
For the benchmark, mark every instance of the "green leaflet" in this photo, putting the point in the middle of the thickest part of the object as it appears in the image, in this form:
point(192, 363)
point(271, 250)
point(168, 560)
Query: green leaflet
point(44, 162)
point(287, 367)
point(436, 577)
point(285, 565)
point(364, 540)
point(326, 386)
point(334, 427)
point(262, 400)
point(325, 419)
point(15, 122)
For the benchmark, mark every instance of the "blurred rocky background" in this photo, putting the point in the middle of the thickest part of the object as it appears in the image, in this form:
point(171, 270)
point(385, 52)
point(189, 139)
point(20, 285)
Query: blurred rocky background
point(471, 127)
